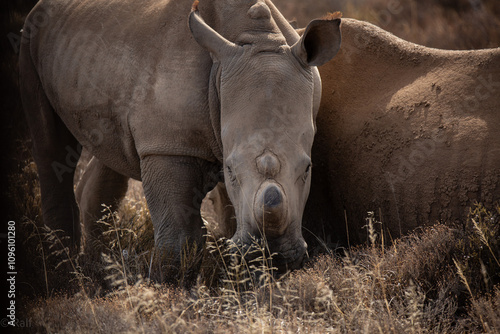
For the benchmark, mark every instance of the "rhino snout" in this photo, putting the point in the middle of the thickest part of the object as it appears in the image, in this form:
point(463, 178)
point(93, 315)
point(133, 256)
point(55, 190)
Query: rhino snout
point(270, 209)
point(272, 197)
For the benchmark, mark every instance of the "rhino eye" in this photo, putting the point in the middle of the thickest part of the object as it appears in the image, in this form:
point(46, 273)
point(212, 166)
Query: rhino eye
point(307, 173)
point(231, 175)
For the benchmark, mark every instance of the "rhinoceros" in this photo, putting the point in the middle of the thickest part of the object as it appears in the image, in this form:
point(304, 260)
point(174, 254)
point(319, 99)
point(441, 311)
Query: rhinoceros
point(408, 132)
point(172, 105)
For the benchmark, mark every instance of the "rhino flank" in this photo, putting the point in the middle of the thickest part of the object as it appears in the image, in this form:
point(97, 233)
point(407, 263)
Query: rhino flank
point(172, 104)
point(406, 131)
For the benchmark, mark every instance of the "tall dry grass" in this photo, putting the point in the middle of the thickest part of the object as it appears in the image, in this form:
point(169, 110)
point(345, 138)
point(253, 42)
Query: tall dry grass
point(437, 280)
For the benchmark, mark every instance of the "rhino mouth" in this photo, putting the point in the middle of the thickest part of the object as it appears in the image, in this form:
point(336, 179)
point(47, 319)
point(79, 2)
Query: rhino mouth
point(277, 255)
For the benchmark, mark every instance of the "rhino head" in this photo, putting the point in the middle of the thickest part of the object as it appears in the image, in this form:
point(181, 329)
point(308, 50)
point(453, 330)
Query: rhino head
point(266, 93)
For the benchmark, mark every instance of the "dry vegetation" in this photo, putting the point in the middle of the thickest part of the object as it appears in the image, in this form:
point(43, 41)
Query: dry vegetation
point(440, 280)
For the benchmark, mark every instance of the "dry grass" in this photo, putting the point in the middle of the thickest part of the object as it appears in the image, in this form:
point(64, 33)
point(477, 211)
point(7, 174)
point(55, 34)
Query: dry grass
point(437, 280)
point(413, 286)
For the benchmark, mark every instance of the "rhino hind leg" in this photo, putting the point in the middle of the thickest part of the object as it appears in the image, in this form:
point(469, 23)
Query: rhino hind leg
point(99, 185)
point(174, 187)
point(59, 208)
point(56, 153)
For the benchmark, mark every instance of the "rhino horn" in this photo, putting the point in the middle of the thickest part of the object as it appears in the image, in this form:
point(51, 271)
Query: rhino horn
point(207, 37)
point(319, 43)
point(268, 164)
point(259, 11)
point(270, 209)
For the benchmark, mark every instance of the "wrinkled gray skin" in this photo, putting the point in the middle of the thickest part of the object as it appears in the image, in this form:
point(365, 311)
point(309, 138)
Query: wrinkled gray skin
point(156, 101)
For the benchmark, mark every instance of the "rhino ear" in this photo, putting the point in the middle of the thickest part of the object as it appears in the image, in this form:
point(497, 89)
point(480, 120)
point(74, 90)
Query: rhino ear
point(319, 43)
point(208, 38)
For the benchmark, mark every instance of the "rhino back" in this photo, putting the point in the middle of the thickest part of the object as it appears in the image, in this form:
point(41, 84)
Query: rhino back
point(126, 78)
point(404, 130)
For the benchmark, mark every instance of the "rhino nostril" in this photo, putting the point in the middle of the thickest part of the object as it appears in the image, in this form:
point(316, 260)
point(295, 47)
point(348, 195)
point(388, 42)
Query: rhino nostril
point(272, 197)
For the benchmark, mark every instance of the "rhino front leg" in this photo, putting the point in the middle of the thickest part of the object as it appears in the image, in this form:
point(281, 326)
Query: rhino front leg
point(174, 187)
point(99, 185)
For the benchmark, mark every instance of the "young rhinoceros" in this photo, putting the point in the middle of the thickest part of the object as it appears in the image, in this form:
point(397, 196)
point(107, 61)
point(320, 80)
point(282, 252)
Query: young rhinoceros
point(129, 82)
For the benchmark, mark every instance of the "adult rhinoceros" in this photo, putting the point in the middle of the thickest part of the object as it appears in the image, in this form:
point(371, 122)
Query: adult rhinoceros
point(403, 130)
point(406, 131)
point(155, 101)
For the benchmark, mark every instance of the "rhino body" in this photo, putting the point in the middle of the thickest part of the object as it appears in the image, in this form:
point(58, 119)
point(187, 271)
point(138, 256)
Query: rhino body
point(405, 131)
point(170, 105)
